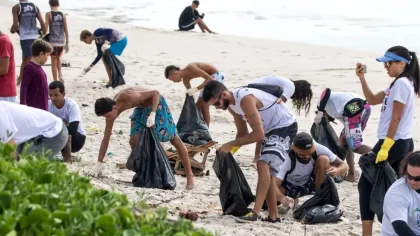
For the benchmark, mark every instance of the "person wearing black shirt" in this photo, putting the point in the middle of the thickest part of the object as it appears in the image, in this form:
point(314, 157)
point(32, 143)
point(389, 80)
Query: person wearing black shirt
point(190, 17)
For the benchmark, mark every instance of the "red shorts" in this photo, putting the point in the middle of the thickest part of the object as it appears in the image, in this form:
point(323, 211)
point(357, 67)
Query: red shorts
point(57, 51)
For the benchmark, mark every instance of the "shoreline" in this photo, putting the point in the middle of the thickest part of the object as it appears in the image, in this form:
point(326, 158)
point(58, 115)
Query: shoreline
point(241, 59)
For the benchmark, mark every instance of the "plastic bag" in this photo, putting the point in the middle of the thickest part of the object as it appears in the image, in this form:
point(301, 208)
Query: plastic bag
point(117, 69)
point(322, 214)
point(192, 128)
point(235, 194)
point(149, 161)
point(272, 89)
point(326, 195)
point(381, 176)
point(324, 134)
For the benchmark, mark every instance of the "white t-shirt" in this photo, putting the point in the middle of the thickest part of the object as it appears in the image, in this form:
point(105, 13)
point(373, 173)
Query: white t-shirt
point(287, 85)
point(336, 102)
point(402, 91)
point(70, 112)
point(24, 123)
point(276, 116)
point(302, 172)
point(401, 203)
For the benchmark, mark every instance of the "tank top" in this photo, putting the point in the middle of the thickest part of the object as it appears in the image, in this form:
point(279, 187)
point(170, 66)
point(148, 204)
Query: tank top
point(57, 37)
point(273, 115)
point(27, 21)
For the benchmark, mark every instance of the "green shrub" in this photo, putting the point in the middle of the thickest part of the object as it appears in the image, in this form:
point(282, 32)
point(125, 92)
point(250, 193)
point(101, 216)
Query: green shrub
point(39, 197)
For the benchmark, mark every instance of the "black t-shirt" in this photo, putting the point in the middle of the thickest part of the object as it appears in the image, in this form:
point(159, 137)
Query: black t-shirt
point(187, 16)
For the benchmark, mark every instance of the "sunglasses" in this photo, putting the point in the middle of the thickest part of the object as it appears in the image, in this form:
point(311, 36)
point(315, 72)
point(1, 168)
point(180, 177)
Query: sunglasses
point(389, 63)
point(218, 101)
point(415, 178)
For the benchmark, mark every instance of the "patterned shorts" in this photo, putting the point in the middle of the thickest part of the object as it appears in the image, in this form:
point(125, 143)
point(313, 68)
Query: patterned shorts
point(354, 127)
point(57, 51)
point(165, 128)
point(294, 191)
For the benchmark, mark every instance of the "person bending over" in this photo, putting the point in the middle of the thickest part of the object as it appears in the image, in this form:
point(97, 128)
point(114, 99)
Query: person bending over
point(102, 37)
point(196, 70)
point(396, 119)
point(67, 109)
point(151, 110)
point(402, 201)
point(304, 170)
point(354, 112)
point(299, 91)
point(273, 129)
point(190, 17)
point(23, 125)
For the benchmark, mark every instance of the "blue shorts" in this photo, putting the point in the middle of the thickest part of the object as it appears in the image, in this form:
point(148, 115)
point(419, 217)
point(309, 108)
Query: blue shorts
point(26, 46)
point(117, 48)
point(165, 128)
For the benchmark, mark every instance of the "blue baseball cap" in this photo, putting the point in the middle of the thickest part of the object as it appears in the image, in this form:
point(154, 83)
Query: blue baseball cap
point(389, 56)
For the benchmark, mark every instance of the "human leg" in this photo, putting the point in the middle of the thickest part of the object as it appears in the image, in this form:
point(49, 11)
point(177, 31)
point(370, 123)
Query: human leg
point(54, 67)
point(366, 215)
point(322, 164)
point(183, 154)
point(26, 46)
point(67, 150)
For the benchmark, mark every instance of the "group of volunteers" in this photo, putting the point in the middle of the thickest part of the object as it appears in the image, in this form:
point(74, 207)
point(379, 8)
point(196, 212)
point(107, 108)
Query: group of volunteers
point(290, 164)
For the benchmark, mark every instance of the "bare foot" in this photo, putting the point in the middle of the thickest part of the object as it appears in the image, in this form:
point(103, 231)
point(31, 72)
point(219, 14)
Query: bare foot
point(352, 177)
point(190, 183)
point(61, 79)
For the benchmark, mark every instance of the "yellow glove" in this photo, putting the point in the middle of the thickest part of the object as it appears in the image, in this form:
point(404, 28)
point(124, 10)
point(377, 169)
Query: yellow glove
point(383, 153)
point(234, 149)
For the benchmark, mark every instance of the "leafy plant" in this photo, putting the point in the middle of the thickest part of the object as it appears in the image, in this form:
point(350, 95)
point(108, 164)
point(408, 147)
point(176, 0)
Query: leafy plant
point(40, 197)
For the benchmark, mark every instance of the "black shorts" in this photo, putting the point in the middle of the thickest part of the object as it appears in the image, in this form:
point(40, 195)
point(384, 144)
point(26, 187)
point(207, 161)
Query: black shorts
point(77, 142)
point(186, 27)
point(294, 191)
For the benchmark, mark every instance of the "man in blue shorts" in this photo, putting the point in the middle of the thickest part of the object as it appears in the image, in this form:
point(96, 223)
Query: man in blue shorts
point(151, 110)
point(105, 39)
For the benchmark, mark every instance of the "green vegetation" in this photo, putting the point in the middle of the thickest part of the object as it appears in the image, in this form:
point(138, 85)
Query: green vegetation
point(39, 197)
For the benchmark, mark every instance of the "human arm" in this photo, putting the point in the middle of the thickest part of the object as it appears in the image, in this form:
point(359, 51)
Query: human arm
point(66, 29)
point(99, 55)
point(241, 127)
point(72, 127)
point(27, 76)
point(41, 21)
point(338, 168)
point(402, 228)
point(324, 99)
point(47, 22)
point(257, 151)
point(15, 25)
point(199, 72)
point(372, 99)
point(4, 59)
point(105, 140)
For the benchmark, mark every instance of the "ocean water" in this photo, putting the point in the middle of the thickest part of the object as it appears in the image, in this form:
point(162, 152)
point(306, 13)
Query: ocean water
point(373, 25)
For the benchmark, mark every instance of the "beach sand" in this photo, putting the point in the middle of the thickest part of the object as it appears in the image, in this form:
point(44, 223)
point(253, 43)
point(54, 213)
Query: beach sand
point(241, 60)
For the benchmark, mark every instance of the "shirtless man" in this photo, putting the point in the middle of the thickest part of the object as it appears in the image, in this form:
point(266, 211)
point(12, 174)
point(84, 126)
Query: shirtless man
point(195, 70)
point(150, 110)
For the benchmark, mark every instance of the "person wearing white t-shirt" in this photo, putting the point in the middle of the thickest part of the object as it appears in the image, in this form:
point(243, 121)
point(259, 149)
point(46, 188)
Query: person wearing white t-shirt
point(39, 129)
point(402, 201)
point(299, 91)
point(353, 111)
point(273, 129)
point(67, 109)
point(304, 170)
point(396, 119)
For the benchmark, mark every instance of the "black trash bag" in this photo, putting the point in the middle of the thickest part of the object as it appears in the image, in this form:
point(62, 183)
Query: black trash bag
point(324, 134)
point(326, 195)
point(235, 194)
point(149, 161)
point(192, 128)
point(322, 214)
point(117, 69)
point(381, 176)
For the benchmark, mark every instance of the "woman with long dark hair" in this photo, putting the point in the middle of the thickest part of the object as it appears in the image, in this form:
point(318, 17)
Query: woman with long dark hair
point(397, 115)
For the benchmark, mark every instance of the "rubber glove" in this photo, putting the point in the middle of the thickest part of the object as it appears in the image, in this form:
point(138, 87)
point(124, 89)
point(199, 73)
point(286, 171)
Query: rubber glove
point(318, 117)
point(97, 170)
point(383, 153)
point(151, 119)
point(234, 149)
point(105, 47)
point(66, 48)
point(192, 91)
